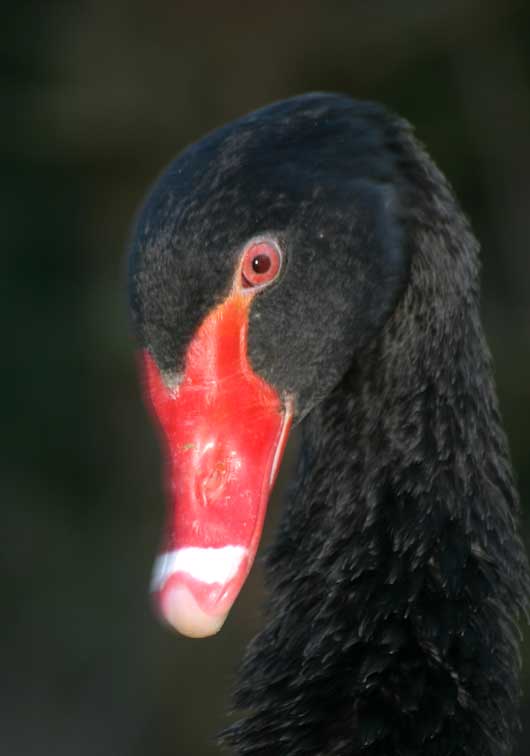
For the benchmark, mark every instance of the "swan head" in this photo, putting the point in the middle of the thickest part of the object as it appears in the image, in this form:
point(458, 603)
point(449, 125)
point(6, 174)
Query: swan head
point(265, 258)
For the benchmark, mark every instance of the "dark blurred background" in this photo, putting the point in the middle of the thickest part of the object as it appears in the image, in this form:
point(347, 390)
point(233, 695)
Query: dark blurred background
point(96, 97)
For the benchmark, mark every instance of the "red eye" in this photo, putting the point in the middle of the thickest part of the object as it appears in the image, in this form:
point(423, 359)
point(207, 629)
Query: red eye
point(261, 264)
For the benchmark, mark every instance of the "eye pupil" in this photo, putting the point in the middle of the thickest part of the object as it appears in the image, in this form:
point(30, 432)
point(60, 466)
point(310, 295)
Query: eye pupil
point(261, 264)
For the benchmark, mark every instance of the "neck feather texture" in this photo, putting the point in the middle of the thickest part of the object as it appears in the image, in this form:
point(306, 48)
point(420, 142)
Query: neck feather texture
point(398, 575)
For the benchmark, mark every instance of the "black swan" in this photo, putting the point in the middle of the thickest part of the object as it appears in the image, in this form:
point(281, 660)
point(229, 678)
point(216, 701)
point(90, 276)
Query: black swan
point(309, 264)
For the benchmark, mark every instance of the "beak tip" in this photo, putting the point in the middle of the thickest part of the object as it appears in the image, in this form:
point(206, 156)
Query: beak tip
point(179, 609)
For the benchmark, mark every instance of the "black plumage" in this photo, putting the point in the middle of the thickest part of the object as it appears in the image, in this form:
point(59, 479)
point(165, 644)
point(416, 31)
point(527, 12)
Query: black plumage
point(398, 575)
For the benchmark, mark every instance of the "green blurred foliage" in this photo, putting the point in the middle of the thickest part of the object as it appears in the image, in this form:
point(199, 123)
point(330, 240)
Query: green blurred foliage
point(96, 97)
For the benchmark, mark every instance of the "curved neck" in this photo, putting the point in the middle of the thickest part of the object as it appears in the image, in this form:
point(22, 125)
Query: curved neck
point(397, 575)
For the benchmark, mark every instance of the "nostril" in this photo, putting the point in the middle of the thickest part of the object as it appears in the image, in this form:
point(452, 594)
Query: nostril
point(213, 485)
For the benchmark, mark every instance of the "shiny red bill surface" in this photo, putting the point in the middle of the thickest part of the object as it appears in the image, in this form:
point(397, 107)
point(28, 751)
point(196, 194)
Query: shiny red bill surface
point(224, 431)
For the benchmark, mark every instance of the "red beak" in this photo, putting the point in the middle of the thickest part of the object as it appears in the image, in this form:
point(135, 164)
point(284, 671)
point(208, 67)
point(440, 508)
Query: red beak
point(225, 430)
